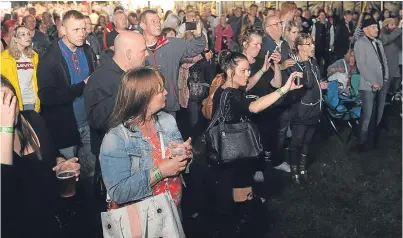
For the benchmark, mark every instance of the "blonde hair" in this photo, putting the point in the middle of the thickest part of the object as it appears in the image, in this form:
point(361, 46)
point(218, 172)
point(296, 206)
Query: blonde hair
point(292, 24)
point(13, 48)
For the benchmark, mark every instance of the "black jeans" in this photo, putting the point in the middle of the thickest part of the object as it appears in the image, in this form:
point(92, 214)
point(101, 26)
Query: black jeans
point(301, 138)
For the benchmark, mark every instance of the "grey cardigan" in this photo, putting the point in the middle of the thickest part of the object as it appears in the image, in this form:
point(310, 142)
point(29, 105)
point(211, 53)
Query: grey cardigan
point(368, 64)
point(390, 44)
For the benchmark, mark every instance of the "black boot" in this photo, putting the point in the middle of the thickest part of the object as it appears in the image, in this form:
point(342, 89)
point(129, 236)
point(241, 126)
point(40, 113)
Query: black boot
point(303, 169)
point(249, 215)
point(293, 155)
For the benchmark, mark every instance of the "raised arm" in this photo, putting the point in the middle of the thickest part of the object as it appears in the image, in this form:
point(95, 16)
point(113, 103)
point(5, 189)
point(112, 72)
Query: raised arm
point(268, 100)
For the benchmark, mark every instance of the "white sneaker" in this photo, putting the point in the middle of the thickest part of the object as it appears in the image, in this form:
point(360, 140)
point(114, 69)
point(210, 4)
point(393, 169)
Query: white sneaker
point(284, 167)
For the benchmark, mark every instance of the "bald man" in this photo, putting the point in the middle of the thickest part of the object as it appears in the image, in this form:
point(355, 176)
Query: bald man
point(103, 84)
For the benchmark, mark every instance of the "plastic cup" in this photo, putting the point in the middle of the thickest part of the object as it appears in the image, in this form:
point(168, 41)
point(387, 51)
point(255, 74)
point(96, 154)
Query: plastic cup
point(176, 150)
point(67, 179)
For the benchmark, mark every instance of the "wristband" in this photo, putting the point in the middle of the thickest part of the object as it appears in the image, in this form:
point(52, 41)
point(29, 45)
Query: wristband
point(7, 130)
point(260, 72)
point(157, 174)
point(279, 91)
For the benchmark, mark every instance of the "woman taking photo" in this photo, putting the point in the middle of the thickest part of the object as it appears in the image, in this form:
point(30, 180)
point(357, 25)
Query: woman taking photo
point(29, 188)
point(18, 64)
point(237, 178)
point(133, 166)
point(265, 78)
point(306, 110)
point(292, 31)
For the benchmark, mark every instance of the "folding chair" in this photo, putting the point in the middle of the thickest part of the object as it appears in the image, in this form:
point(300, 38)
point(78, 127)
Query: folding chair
point(345, 110)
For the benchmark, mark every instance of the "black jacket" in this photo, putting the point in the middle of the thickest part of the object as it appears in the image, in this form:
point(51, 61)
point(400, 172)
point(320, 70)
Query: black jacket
point(342, 41)
point(57, 95)
point(322, 37)
point(99, 99)
point(307, 100)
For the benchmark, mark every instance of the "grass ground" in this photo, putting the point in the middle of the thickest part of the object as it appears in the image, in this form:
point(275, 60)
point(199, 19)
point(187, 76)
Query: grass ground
point(353, 195)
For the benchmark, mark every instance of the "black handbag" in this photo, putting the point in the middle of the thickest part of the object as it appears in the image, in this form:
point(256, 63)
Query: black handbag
point(226, 143)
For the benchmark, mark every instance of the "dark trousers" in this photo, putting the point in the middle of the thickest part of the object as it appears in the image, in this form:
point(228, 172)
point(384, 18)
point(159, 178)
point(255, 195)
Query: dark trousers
point(323, 57)
point(281, 135)
point(372, 107)
point(301, 138)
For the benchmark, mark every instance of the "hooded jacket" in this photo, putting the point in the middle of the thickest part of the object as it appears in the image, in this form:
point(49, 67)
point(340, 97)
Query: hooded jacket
point(167, 56)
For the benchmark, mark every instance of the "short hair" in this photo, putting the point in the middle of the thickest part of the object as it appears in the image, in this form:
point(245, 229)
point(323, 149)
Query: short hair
point(321, 11)
point(133, 14)
point(347, 12)
point(374, 11)
point(24, 19)
point(73, 14)
point(253, 5)
point(166, 30)
point(300, 9)
point(87, 17)
point(144, 14)
point(118, 8)
point(31, 9)
point(287, 7)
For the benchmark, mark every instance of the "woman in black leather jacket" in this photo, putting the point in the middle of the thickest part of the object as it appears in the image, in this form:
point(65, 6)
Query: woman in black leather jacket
point(306, 110)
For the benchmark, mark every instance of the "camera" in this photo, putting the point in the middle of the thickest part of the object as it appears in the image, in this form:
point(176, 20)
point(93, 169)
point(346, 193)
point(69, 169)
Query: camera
point(190, 26)
point(301, 81)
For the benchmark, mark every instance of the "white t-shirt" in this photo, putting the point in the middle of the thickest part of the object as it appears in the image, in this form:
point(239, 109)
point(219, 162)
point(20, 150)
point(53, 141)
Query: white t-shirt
point(25, 70)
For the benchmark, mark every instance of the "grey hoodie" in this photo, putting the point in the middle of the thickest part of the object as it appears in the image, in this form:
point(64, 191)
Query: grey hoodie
point(166, 58)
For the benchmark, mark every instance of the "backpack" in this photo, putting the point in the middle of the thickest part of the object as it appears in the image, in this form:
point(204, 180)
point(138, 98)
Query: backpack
point(198, 87)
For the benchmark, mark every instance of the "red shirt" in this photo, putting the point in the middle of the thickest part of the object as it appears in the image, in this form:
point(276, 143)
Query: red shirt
point(173, 184)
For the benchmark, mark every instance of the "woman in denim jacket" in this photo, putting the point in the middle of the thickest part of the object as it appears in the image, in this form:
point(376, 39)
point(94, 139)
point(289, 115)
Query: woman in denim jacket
point(132, 163)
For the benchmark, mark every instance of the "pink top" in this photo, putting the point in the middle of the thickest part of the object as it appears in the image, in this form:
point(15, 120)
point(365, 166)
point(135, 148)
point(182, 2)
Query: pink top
point(219, 32)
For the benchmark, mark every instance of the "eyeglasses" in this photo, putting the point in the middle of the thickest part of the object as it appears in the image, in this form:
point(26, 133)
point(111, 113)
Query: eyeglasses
point(275, 24)
point(311, 43)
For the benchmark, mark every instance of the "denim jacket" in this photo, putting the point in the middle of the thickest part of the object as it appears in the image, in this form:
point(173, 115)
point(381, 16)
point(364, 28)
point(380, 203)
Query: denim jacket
point(126, 159)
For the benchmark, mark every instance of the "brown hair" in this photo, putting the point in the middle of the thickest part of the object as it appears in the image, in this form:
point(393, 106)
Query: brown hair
point(13, 48)
point(73, 14)
point(143, 15)
point(134, 95)
point(287, 7)
point(300, 40)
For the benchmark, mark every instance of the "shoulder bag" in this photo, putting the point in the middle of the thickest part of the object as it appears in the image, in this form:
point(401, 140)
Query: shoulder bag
point(227, 143)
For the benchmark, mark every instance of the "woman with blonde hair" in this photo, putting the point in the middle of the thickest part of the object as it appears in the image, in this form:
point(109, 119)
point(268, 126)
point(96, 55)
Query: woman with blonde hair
point(19, 65)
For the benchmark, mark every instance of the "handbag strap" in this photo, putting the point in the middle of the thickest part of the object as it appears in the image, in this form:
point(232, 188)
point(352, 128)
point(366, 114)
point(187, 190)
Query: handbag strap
point(220, 111)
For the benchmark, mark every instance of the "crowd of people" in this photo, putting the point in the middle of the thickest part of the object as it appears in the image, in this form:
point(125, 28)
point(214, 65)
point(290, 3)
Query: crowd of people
point(111, 92)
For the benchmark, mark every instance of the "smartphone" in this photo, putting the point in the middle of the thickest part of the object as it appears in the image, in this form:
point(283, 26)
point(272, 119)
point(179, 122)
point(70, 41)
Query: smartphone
point(190, 26)
point(301, 81)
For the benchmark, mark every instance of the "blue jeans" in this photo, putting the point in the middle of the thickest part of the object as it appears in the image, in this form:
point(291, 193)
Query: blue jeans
point(83, 152)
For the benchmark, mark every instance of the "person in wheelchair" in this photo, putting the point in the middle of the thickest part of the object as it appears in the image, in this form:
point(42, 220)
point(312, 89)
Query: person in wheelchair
point(341, 71)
